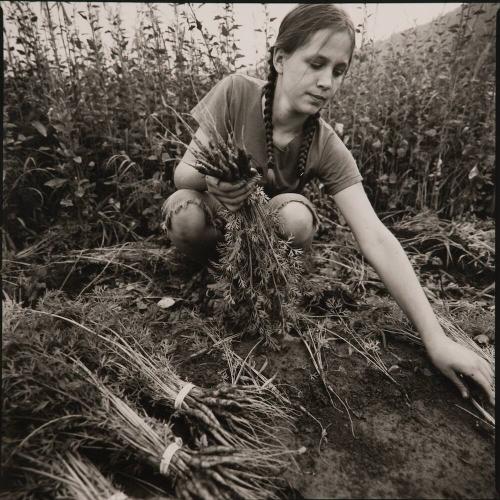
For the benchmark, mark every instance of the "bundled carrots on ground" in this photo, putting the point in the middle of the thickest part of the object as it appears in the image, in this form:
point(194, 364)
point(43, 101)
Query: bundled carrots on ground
point(83, 380)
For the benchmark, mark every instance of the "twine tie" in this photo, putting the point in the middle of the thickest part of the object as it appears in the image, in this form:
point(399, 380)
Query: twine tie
point(182, 394)
point(168, 454)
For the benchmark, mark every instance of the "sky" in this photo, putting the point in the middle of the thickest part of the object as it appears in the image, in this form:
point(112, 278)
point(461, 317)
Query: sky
point(384, 19)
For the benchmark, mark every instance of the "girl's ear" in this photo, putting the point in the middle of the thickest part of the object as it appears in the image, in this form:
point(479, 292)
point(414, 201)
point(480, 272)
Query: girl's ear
point(279, 56)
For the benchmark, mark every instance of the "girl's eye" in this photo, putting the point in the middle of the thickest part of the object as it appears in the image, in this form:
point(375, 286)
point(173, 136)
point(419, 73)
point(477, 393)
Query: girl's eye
point(339, 72)
point(316, 65)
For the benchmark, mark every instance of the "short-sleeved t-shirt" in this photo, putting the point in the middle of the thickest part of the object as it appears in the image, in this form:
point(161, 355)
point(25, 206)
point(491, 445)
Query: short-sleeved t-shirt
point(234, 106)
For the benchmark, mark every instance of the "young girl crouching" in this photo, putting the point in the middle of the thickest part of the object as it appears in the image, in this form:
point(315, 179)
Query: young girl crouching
point(278, 123)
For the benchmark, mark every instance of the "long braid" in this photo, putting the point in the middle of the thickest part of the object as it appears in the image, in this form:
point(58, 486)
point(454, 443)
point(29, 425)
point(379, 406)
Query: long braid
point(308, 129)
point(268, 109)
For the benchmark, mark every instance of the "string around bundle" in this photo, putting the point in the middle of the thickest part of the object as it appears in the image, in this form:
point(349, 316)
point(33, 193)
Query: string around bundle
point(168, 454)
point(119, 495)
point(182, 394)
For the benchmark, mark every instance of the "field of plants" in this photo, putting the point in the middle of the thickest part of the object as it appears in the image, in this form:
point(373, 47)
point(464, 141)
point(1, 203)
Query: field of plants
point(130, 372)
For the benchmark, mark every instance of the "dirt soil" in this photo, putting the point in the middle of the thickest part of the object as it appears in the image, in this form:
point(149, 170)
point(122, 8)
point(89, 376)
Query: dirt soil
point(406, 441)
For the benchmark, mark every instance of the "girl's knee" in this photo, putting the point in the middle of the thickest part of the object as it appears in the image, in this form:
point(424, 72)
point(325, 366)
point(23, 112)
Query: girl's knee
point(186, 215)
point(297, 221)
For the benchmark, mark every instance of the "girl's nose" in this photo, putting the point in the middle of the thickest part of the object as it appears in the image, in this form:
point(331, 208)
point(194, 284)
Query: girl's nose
point(325, 80)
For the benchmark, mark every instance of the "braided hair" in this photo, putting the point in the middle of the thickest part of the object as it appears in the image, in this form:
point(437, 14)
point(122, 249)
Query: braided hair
point(308, 129)
point(295, 30)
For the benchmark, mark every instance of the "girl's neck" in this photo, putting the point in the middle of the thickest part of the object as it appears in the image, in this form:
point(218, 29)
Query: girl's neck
point(285, 118)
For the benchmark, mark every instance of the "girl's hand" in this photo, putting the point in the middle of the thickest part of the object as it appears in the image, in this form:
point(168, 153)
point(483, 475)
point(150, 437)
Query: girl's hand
point(231, 195)
point(454, 360)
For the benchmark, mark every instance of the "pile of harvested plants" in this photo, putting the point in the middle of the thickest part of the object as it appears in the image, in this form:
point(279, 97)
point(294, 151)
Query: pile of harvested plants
point(81, 407)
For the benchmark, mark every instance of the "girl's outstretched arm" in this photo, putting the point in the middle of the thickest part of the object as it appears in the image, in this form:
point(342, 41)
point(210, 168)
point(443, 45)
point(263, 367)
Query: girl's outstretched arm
point(383, 251)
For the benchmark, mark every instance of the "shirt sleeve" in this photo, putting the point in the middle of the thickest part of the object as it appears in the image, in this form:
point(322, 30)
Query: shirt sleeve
point(337, 168)
point(213, 112)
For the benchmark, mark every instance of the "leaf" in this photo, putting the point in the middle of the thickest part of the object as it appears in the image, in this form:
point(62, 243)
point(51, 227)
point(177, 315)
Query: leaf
point(431, 133)
point(473, 173)
point(56, 183)
point(77, 159)
point(67, 202)
point(40, 127)
point(166, 302)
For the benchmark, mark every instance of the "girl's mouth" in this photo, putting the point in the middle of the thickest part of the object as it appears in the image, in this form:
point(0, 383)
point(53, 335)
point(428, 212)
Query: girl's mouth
point(318, 99)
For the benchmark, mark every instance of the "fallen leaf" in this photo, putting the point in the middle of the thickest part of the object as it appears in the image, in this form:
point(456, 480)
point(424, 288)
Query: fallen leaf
point(166, 302)
point(393, 368)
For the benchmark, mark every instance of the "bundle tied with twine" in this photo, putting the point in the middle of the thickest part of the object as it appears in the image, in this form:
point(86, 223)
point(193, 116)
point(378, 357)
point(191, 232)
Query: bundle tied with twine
point(213, 472)
point(245, 468)
point(258, 272)
point(243, 416)
point(248, 416)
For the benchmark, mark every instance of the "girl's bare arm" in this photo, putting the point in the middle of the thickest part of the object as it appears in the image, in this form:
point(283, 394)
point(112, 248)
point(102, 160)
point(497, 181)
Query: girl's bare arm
point(383, 251)
point(185, 175)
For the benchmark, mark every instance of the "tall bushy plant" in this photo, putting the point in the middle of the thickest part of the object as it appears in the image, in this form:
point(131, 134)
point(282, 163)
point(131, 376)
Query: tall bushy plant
point(417, 113)
point(79, 138)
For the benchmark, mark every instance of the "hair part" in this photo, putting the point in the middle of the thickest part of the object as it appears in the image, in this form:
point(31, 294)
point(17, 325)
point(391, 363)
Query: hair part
point(297, 27)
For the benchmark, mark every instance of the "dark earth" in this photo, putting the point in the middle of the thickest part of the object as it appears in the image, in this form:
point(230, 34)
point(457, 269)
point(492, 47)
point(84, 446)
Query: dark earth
point(410, 441)
point(407, 440)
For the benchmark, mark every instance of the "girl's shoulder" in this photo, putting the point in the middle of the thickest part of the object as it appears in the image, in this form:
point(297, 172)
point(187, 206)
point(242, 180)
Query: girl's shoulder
point(327, 137)
point(241, 83)
point(236, 89)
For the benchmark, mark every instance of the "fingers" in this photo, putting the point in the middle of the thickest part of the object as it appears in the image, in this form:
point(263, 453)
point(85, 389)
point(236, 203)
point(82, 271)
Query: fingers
point(485, 383)
point(231, 195)
point(487, 370)
point(220, 186)
point(233, 204)
point(456, 380)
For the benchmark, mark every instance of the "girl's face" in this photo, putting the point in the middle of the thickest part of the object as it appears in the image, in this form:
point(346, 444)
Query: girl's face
point(313, 73)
